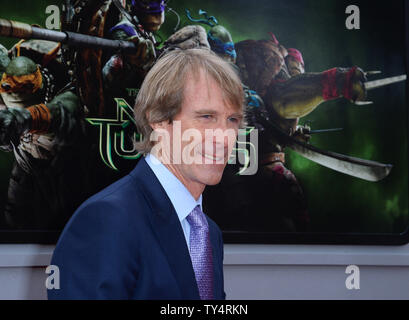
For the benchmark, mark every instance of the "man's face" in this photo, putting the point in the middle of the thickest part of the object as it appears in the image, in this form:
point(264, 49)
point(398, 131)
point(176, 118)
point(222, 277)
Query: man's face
point(203, 112)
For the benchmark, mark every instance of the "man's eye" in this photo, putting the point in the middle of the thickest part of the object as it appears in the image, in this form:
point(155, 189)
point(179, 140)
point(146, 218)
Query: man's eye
point(233, 119)
point(206, 116)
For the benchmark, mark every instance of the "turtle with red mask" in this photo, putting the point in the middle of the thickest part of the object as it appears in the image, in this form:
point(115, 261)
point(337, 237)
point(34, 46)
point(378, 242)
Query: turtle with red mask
point(277, 74)
point(294, 62)
point(287, 93)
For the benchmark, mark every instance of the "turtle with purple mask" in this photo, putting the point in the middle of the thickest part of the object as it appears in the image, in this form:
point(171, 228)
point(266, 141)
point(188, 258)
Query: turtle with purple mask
point(138, 25)
point(151, 14)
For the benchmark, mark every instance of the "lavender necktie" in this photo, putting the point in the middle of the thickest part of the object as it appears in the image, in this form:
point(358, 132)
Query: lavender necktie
point(201, 253)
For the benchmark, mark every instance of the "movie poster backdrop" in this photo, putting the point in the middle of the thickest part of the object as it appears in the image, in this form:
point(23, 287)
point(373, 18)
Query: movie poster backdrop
point(290, 199)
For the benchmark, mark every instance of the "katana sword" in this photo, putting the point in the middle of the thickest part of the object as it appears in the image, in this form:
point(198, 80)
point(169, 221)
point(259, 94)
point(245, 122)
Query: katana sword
point(360, 168)
point(356, 167)
point(369, 85)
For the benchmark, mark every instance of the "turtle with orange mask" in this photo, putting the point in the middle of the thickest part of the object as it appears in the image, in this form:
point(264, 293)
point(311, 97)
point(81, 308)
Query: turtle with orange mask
point(40, 126)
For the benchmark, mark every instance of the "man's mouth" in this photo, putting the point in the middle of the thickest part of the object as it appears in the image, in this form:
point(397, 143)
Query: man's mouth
point(212, 157)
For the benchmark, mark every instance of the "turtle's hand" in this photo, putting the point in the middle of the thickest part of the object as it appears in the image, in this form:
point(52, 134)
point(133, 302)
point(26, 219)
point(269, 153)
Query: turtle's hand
point(302, 133)
point(13, 123)
point(145, 54)
point(189, 37)
point(354, 84)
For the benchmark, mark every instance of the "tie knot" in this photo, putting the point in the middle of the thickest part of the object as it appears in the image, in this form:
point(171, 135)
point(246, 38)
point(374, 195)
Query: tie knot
point(197, 218)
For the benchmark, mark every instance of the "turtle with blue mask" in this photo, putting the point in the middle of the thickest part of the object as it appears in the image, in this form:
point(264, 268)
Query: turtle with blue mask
point(219, 37)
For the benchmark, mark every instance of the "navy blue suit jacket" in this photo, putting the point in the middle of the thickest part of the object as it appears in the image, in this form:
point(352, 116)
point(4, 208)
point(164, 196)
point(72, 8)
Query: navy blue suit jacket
point(126, 242)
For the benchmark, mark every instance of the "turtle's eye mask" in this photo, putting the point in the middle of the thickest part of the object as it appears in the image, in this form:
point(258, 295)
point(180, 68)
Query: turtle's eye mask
point(149, 6)
point(29, 83)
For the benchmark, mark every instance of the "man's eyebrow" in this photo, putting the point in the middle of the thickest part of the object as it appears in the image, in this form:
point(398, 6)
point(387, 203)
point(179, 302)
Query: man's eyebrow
point(212, 111)
point(237, 114)
point(206, 111)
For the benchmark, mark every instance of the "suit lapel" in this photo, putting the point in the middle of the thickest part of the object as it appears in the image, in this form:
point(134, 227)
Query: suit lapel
point(168, 230)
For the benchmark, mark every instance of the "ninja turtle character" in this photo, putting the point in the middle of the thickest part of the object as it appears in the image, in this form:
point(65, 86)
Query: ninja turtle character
point(144, 18)
point(277, 74)
point(100, 75)
point(40, 126)
point(270, 69)
point(287, 93)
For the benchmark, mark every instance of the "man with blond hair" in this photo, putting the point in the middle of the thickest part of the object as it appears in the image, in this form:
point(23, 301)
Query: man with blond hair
point(145, 236)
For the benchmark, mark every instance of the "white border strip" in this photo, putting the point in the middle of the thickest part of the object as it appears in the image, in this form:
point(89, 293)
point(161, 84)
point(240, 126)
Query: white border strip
point(33, 255)
point(316, 255)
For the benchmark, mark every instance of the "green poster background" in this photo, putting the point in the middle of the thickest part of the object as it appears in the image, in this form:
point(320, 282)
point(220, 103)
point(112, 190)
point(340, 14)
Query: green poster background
point(336, 202)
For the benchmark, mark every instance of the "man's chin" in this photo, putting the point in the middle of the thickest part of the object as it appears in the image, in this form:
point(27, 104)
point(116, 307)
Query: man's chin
point(214, 175)
point(213, 182)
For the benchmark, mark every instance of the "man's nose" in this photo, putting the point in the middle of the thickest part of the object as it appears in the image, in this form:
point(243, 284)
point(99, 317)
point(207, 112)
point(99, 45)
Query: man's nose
point(224, 138)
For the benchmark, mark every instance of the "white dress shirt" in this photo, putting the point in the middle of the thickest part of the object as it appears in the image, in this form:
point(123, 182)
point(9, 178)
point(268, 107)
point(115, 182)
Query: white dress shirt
point(182, 200)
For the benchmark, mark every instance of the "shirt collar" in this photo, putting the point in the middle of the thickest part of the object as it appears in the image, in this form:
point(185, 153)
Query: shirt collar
point(182, 200)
